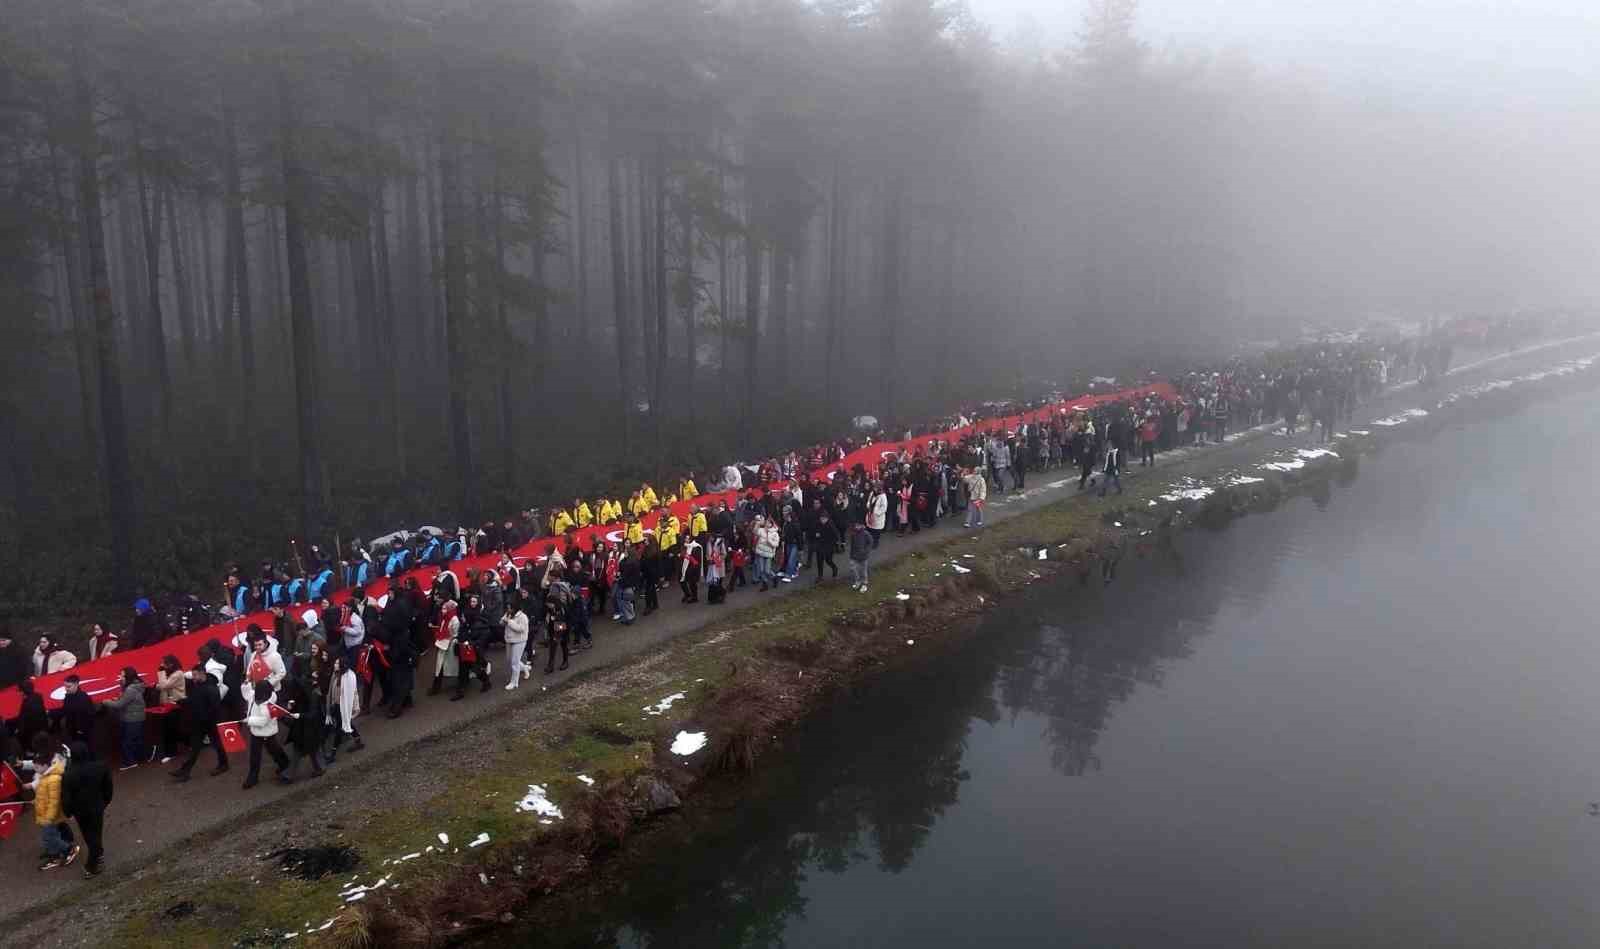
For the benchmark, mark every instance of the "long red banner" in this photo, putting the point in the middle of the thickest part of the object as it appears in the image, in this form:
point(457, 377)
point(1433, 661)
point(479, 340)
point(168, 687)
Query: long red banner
point(100, 679)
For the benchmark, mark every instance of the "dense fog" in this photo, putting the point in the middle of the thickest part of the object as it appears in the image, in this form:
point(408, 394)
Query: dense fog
point(325, 268)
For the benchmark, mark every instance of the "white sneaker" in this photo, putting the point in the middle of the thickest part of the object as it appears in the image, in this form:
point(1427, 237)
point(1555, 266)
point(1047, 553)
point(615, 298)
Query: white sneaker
point(512, 684)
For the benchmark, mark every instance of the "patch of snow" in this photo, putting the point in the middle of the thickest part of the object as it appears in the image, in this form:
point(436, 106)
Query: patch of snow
point(478, 841)
point(664, 704)
point(1314, 453)
point(1044, 554)
point(1401, 418)
point(911, 642)
point(1246, 479)
point(1188, 494)
point(902, 596)
point(687, 743)
point(958, 568)
point(444, 838)
point(586, 779)
point(537, 801)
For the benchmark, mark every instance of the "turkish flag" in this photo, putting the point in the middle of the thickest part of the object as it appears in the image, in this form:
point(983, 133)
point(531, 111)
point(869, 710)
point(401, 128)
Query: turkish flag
point(232, 735)
point(10, 814)
point(9, 782)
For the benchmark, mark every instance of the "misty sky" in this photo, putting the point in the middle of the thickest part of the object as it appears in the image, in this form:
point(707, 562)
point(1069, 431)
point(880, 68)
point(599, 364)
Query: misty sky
point(1462, 52)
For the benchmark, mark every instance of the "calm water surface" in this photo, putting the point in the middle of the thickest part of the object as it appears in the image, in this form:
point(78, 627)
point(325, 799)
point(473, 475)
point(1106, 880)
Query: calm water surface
point(1367, 719)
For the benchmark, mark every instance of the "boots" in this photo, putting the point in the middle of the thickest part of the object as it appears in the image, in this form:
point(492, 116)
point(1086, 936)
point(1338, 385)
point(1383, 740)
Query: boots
point(438, 685)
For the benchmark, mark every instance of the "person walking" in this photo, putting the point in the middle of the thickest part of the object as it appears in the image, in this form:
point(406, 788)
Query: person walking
point(261, 719)
point(1149, 431)
point(56, 847)
point(343, 704)
point(1112, 470)
point(877, 512)
point(767, 540)
point(559, 605)
point(977, 496)
point(517, 629)
point(203, 704)
point(629, 577)
point(471, 647)
point(129, 706)
point(824, 539)
point(306, 731)
point(86, 791)
point(860, 551)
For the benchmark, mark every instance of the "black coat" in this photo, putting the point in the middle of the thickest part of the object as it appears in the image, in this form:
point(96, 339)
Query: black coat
point(305, 732)
point(204, 705)
point(77, 714)
point(86, 786)
point(32, 719)
point(14, 667)
point(629, 574)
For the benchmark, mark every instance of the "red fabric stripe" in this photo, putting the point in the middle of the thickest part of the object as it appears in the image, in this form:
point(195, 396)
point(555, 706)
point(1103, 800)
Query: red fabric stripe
point(101, 676)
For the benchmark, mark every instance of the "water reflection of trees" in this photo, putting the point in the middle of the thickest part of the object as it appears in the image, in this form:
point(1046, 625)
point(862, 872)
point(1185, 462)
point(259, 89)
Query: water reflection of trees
point(867, 779)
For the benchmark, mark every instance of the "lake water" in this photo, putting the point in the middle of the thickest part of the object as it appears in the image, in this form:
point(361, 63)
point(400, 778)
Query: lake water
point(1365, 719)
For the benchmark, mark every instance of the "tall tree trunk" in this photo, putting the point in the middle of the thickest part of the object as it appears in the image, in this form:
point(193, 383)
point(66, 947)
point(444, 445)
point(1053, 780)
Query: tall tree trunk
point(302, 328)
point(150, 218)
point(619, 294)
point(942, 360)
point(724, 298)
point(240, 306)
point(646, 262)
point(432, 171)
point(415, 268)
point(542, 345)
point(691, 342)
point(456, 316)
point(181, 280)
point(131, 275)
point(888, 367)
point(82, 330)
point(779, 331)
point(508, 427)
point(835, 293)
point(272, 250)
point(580, 216)
point(752, 327)
point(659, 245)
point(389, 334)
point(113, 423)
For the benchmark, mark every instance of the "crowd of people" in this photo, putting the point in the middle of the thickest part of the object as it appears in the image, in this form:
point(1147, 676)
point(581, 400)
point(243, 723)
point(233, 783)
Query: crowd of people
point(300, 690)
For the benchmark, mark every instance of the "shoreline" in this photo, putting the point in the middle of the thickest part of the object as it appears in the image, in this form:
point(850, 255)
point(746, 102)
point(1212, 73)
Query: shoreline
point(766, 664)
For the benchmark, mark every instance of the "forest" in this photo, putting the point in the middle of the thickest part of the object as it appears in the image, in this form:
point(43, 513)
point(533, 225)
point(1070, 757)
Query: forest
point(321, 269)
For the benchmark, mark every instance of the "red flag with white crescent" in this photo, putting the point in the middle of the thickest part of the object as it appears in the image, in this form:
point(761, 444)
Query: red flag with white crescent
point(232, 735)
point(10, 784)
point(10, 816)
